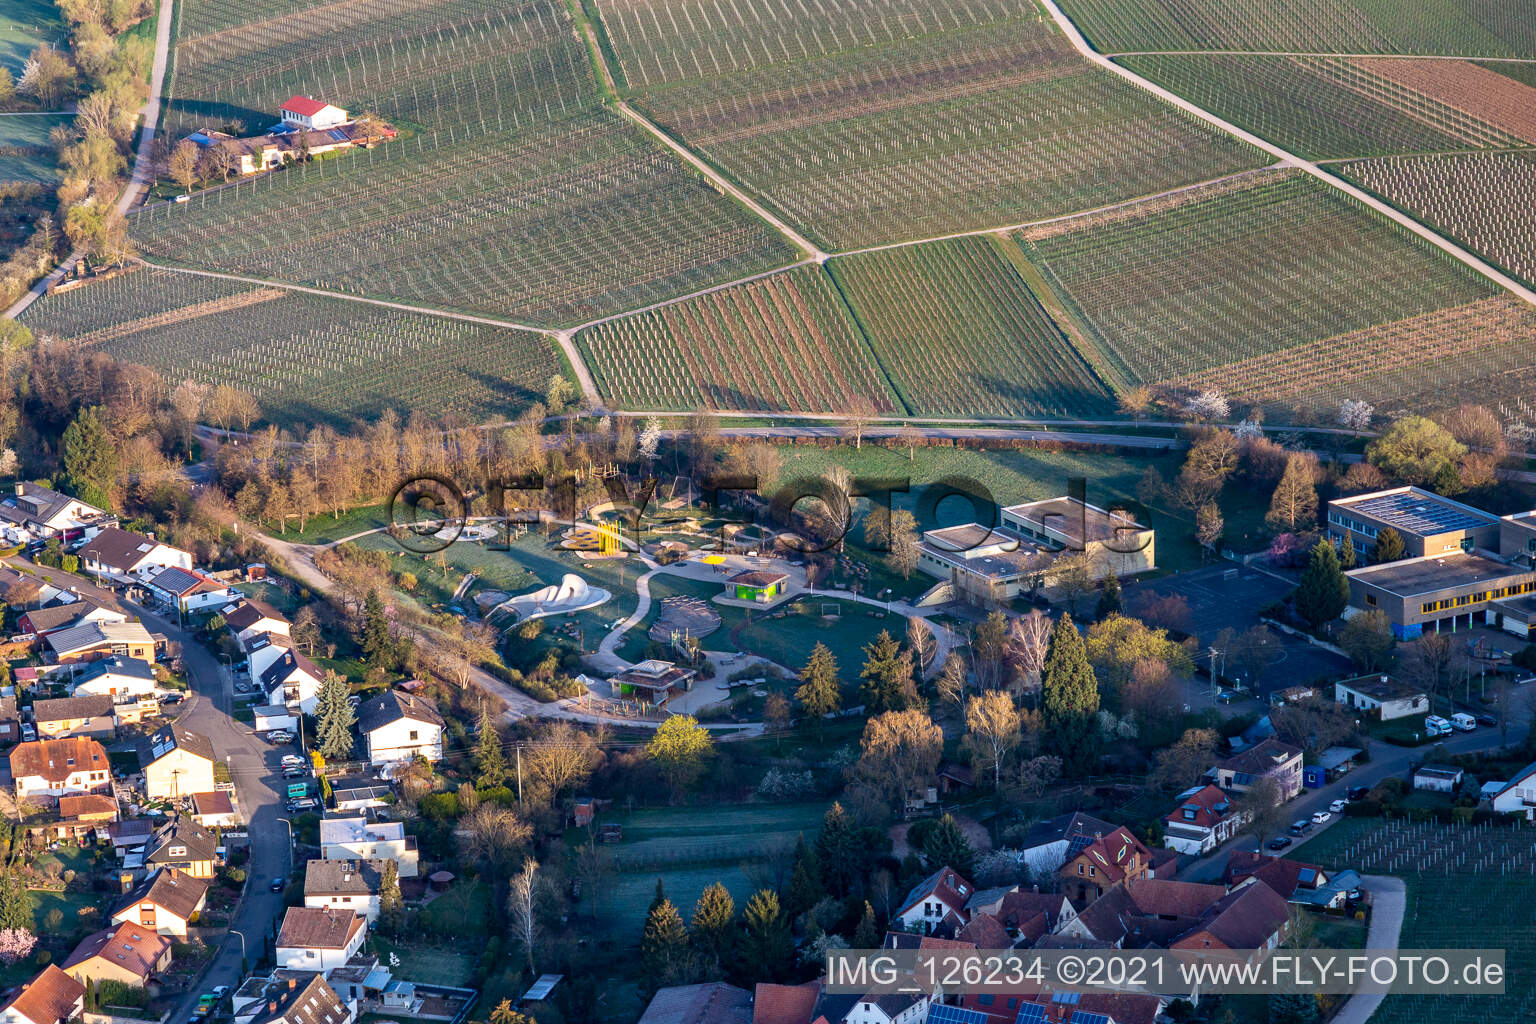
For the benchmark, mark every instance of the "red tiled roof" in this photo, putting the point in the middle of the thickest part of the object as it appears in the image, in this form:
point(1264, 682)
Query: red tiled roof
point(57, 760)
point(784, 1004)
point(1208, 807)
point(305, 106)
point(130, 946)
point(49, 998)
point(986, 932)
point(93, 804)
point(1112, 854)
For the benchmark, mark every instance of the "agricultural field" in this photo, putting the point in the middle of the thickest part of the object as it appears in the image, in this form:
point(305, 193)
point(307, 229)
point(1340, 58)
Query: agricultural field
point(306, 359)
point(1431, 361)
point(1482, 200)
point(25, 154)
point(916, 120)
point(784, 342)
point(1455, 875)
point(959, 333)
point(1463, 28)
point(24, 25)
point(1329, 107)
point(1246, 273)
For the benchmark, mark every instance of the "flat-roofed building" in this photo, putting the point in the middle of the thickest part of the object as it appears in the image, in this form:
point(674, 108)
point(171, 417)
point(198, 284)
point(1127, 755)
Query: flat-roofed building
point(1428, 523)
point(1384, 695)
point(1437, 592)
point(996, 562)
point(1113, 539)
point(1517, 537)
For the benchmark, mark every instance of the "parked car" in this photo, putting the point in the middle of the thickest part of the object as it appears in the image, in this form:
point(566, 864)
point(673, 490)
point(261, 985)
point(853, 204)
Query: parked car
point(1354, 895)
point(1300, 827)
point(307, 803)
point(279, 736)
point(295, 772)
point(1225, 696)
point(219, 992)
point(1279, 842)
point(182, 199)
point(1358, 792)
point(278, 884)
point(292, 761)
point(1320, 817)
point(172, 698)
point(1487, 720)
point(28, 731)
point(1338, 805)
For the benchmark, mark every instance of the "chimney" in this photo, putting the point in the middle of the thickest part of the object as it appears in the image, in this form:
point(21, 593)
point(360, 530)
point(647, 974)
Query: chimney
point(272, 1006)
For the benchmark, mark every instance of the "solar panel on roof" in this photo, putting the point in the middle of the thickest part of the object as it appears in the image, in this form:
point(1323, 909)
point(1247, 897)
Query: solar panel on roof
point(1030, 1013)
point(1080, 1017)
point(942, 1013)
point(1066, 998)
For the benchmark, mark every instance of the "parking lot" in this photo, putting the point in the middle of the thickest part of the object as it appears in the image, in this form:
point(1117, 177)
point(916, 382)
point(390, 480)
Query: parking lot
point(1226, 596)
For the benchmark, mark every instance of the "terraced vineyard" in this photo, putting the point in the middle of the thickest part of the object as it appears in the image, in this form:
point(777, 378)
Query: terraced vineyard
point(978, 115)
point(1244, 274)
point(306, 359)
point(1467, 28)
point(786, 342)
point(960, 334)
point(1323, 108)
point(1482, 200)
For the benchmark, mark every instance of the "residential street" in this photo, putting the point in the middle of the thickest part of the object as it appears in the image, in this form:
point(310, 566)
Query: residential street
point(254, 767)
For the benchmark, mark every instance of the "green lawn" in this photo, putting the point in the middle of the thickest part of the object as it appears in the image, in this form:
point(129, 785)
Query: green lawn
point(324, 529)
point(689, 848)
point(23, 25)
point(24, 140)
point(439, 965)
point(462, 908)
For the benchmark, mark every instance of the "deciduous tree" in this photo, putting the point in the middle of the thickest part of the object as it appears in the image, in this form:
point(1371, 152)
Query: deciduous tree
point(680, 749)
point(900, 749)
point(1294, 503)
point(992, 733)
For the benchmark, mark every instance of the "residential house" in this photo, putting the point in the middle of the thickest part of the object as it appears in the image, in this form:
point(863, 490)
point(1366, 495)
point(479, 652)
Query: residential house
point(52, 997)
point(39, 513)
point(1095, 864)
point(1143, 912)
point(715, 1002)
point(129, 834)
point(55, 617)
point(290, 997)
point(319, 938)
point(1518, 795)
point(166, 901)
point(1382, 696)
point(1252, 917)
point(1044, 847)
point(314, 115)
point(1203, 819)
point(351, 885)
point(1028, 916)
point(88, 812)
point(129, 557)
point(125, 680)
point(49, 769)
point(360, 839)
point(86, 715)
point(92, 641)
point(1295, 881)
point(272, 149)
point(936, 904)
point(887, 1008)
point(215, 809)
point(400, 726)
point(292, 680)
point(785, 1004)
point(1088, 1008)
point(128, 953)
point(249, 618)
point(1437, 778)
point(176, 762)
point(1270, 757)
point(188, 590)
point(183, 844)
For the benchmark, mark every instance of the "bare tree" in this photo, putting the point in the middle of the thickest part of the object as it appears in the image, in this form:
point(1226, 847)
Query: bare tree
point(857, 411)
point(1028, 637)
point(522, 908)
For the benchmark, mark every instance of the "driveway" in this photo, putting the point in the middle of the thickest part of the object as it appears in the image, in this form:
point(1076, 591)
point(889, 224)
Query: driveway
point(255, 768)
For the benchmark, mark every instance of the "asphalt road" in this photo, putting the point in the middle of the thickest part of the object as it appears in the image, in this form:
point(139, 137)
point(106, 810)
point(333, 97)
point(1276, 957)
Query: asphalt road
point(255, 768)
point(1386, 760)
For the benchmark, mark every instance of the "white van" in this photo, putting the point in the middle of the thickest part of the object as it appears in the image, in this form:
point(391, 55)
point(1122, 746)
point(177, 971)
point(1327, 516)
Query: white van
point(1463, 722)
point(1434, 725)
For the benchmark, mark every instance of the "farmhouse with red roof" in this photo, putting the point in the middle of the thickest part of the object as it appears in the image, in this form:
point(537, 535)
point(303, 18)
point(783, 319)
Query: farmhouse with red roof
point(303, 112)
